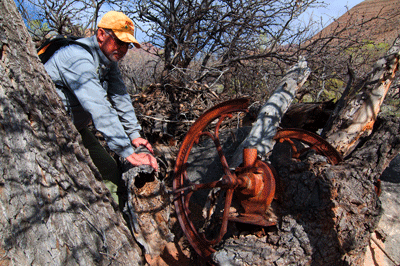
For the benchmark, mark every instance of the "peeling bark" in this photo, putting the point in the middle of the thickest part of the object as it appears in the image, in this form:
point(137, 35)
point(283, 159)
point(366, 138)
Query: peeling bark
point(148, 206)
point(357, 119)
point(269, 117)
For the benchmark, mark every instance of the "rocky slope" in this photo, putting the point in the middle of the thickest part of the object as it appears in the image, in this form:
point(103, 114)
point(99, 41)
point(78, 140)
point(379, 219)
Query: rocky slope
point(383, 29)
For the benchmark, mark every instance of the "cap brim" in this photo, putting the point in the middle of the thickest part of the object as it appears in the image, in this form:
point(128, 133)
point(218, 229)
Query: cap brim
point(126, 37)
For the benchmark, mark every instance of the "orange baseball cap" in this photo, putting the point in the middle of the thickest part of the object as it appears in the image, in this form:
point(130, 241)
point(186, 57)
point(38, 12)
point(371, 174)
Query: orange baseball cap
point(121, 25)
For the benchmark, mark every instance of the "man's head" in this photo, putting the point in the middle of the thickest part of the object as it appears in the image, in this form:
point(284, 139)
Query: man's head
point(115, 35)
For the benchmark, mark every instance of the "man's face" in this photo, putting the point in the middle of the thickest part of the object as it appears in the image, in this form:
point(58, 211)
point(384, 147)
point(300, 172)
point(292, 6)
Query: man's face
point(113, 48)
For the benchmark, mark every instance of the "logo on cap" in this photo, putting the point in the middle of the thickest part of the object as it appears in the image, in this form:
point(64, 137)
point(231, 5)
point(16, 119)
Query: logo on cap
point(128, 25)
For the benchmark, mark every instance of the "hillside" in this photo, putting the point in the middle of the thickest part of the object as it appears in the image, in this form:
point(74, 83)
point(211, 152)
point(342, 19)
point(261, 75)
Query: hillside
point(384, 29)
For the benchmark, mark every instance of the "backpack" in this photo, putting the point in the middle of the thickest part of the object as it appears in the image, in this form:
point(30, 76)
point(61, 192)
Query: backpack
point(50, 46)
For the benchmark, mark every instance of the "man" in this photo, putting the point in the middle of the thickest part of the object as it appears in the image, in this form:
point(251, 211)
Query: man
point(91, 88)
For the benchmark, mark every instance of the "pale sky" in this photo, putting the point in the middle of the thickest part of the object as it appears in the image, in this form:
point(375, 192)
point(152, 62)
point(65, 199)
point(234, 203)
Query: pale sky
point(334, 9)
point(339, 6)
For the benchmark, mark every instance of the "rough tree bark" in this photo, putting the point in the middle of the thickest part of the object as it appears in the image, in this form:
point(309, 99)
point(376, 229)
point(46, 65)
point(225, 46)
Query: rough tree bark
point(54, 210)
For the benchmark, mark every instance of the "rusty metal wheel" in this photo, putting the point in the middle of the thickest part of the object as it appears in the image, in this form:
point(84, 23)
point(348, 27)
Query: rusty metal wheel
point(252, 183)
point(204, 205)
point(187, 208)
point(311, 140)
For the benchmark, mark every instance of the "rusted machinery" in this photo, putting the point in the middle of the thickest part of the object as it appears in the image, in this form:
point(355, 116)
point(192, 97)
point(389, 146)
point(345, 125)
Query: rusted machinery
point(241, 195)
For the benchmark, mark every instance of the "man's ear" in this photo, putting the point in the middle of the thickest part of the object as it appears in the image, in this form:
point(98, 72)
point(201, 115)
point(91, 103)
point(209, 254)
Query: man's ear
point(101, 36)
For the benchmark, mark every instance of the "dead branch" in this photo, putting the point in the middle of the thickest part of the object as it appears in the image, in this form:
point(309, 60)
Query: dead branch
point(358, 117)
point(264, 129)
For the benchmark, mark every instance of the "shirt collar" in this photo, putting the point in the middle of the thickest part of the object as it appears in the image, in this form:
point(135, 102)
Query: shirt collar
point(103, 59)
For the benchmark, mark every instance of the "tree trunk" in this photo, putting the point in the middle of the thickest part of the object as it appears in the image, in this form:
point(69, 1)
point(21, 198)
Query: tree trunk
point(55, 211)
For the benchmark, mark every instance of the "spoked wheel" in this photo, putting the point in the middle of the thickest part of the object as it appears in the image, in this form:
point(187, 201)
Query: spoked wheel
point(252, 183)
point(312, 142)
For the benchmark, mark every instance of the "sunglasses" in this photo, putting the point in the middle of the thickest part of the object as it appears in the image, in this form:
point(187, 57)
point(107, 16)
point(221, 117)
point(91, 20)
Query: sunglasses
point(118, 41)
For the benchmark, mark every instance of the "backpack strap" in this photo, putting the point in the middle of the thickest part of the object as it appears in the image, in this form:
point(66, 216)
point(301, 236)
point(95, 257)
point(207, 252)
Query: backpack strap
point(49, 47)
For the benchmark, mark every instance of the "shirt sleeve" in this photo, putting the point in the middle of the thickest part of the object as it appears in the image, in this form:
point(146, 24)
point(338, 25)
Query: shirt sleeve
point(80, 75)
point(122, 103)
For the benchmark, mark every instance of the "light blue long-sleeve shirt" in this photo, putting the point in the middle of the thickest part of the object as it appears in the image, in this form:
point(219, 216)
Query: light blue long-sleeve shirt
point(91, 88)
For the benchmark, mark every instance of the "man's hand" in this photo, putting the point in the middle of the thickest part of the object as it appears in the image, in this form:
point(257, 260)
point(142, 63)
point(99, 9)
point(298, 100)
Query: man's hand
point(137, 159)
point(139, 141)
